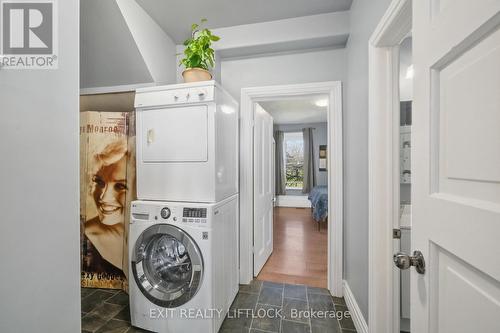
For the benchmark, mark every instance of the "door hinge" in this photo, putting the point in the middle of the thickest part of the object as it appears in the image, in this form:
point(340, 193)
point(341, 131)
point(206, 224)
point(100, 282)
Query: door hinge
point(396, 233)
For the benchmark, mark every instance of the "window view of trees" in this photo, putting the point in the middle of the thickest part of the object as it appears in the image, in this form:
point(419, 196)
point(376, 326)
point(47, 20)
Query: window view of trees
point(294, 160)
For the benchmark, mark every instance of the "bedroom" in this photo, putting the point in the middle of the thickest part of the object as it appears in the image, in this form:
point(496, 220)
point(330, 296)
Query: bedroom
point(300, 194)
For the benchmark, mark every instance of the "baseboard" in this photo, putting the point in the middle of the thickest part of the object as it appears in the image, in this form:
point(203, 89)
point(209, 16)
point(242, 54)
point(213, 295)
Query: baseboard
point(352, 305)
point(300, 201)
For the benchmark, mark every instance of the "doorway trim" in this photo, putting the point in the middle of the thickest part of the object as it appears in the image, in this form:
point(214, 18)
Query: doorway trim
point(383, 297)
point(248, 97)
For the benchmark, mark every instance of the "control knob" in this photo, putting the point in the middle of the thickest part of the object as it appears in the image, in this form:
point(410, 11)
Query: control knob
point(165, 213)
point(202, 93)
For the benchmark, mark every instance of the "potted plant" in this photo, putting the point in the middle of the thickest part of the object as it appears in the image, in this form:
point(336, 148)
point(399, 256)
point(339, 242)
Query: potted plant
point(199, 57)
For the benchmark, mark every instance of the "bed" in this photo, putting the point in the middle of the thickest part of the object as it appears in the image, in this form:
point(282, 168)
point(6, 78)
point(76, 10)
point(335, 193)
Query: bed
point(319, 203)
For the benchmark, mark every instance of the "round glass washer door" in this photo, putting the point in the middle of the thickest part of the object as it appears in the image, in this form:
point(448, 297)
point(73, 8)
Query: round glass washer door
point(167, 265)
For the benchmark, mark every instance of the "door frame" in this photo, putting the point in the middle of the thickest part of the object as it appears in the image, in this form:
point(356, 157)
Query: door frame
point(383, 138)
point(335, 245)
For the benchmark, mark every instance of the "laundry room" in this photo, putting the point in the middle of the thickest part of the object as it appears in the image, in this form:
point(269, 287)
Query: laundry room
point(236, 166)
point(159, 159)
point(182, 227)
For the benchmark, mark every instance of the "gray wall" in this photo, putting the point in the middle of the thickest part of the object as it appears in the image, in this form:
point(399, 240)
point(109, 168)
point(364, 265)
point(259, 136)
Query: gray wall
point(39, 225)
point(313, 66)
point(109, 54)
point(320, 137)
point(365, 15)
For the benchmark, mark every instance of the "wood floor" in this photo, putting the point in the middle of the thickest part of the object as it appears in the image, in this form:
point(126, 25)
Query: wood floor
point(300, 250)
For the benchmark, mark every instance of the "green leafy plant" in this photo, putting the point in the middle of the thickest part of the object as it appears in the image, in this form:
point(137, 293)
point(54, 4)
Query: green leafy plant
point(198, 52)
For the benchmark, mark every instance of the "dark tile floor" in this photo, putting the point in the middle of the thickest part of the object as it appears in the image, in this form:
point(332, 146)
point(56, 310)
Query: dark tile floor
point(259, 307)
point(105, 310)
point(296, 302)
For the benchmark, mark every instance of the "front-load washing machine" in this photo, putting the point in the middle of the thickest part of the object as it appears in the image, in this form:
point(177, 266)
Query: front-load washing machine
point(184, 275)
point(187, 143)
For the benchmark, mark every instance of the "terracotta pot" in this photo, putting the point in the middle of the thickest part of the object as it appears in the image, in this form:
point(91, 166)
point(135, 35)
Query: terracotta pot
point(196, 74)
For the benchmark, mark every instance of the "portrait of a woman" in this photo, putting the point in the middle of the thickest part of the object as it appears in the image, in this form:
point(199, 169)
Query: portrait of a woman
point(104, 233)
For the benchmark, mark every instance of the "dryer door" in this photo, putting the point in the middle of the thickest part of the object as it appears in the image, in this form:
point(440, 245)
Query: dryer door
point(167, 265)
point(174, 135)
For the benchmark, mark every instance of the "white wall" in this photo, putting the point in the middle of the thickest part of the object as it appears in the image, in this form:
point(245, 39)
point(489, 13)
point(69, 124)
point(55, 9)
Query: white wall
point(365, 15)
point(157, 48)
point(312, 66)
point(320, 137)
point(40, 276)
point(405, 60)
point(298, 33)
point(266, 44)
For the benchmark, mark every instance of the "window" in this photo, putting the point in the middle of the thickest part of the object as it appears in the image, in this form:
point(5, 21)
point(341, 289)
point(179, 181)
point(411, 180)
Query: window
point(294, 160)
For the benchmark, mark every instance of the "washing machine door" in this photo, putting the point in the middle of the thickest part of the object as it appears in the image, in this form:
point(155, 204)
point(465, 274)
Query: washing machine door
point(167, 265)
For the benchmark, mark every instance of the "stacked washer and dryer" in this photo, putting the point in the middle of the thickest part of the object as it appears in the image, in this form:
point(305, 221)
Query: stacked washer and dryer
point(183, 239)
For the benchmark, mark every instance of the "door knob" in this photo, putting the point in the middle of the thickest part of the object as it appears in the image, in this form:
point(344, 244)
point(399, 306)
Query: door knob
point(404, 261)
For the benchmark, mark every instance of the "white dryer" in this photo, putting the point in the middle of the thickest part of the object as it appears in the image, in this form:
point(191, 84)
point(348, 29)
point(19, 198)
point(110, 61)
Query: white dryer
point(187, 143)
point(182, 276)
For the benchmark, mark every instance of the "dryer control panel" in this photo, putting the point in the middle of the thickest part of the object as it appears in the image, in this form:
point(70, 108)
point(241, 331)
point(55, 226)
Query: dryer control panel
point(175, 96)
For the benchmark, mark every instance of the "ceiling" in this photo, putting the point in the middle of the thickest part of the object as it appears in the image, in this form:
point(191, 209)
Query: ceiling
point(176, 17)
point(301, 110)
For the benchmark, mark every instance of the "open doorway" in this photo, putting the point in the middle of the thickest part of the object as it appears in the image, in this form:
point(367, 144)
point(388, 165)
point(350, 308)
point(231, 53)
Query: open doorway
point(279, 168)
point(390, 171)
point(297, 249)
point(404, 142)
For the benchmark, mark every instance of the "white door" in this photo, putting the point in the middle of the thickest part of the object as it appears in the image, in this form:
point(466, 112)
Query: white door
point(263, 188)
point(456, 166)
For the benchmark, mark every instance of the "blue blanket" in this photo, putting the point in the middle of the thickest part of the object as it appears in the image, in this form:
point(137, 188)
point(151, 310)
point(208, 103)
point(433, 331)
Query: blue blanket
point(319, 201)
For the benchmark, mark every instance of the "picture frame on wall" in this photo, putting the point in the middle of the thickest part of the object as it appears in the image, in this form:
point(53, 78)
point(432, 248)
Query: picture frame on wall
point(323, 158)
